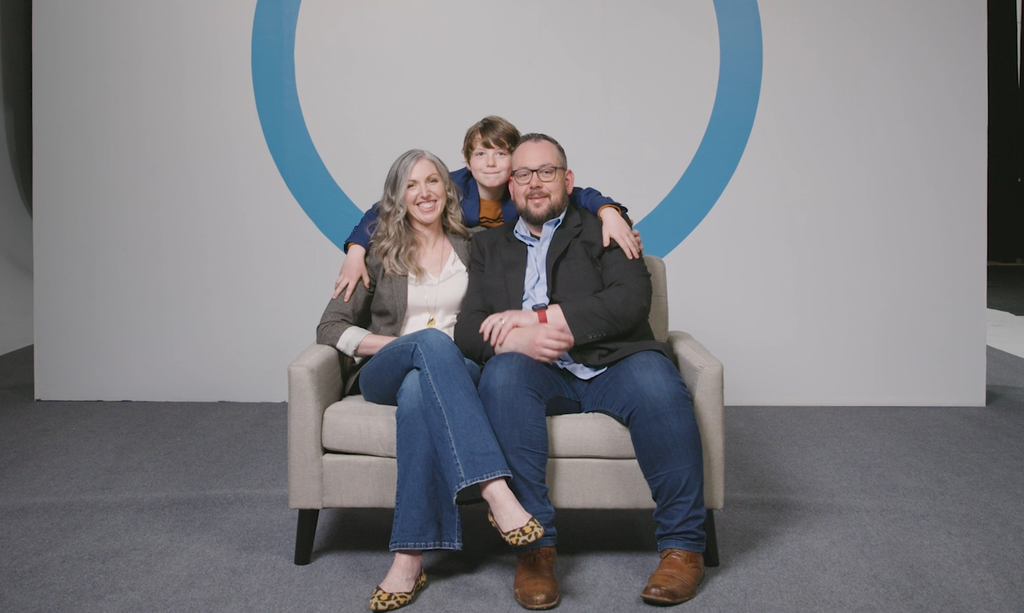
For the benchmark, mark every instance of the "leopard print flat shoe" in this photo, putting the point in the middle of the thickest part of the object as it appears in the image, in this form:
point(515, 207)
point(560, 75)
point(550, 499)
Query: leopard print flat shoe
point(520, 536)
point(386, 601)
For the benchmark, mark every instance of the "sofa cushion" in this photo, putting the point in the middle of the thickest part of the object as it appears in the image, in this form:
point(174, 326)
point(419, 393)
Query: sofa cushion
point(356, 426)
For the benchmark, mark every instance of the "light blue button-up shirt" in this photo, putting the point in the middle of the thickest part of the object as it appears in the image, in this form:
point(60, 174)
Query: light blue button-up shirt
point(535, 288)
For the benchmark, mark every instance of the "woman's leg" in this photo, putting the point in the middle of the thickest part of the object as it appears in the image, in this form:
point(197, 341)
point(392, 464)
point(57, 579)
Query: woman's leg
point(444, 438)
point(404, 571)
point(504, 505)
point(425, 516)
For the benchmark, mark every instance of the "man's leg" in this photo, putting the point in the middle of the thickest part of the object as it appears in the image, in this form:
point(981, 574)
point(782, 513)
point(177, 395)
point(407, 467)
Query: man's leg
point(646, 393)
point(515, 390)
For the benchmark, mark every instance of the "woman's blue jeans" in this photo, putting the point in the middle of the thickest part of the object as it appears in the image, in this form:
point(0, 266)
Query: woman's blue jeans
point(444, 441)
point(643, 391)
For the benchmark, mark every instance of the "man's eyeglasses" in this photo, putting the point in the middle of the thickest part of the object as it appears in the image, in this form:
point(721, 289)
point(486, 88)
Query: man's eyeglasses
point(547, 174)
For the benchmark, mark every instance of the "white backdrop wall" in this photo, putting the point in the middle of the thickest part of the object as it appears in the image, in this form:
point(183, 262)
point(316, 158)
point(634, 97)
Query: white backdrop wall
point(844, 264)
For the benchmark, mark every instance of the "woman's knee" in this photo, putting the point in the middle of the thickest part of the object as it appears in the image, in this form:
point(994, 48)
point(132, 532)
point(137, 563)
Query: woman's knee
point(431, 337)
point(435, 343)
point(409, 395)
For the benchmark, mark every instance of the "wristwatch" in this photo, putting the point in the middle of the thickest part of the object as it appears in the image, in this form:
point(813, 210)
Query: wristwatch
point(542, 312)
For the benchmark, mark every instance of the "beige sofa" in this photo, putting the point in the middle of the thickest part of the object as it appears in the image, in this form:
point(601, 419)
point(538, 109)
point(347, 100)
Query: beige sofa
point(341, 451)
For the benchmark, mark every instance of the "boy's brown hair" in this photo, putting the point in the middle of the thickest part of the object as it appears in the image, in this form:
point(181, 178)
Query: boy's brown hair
point(494, 133)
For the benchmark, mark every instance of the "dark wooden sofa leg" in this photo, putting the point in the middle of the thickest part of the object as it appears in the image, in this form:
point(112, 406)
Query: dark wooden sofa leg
point(711, 552)
point(304, 535)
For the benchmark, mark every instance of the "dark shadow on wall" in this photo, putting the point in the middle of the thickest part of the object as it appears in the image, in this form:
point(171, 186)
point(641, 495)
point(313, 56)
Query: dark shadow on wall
point(16, 74)
point(1005, 136)
point(17, 376)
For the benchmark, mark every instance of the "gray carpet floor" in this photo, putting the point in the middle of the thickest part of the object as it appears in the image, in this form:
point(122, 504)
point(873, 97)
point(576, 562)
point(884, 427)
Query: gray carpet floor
point(183, 507)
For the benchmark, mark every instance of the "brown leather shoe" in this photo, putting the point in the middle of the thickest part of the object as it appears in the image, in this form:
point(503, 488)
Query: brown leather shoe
point(676, 578)
point(535, 586)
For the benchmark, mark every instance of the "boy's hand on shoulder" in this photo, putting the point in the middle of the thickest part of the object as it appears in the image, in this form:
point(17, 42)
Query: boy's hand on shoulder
point(353, 270)
point(614, 227)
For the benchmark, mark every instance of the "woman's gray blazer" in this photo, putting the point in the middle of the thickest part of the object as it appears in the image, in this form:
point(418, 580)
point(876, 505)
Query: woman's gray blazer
point(380, 309)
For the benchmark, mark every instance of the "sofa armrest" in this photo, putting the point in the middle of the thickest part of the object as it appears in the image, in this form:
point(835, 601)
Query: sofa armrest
point(703, 374)
point(314, 383)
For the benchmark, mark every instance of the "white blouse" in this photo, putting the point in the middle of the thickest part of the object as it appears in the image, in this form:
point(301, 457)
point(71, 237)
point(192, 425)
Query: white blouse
point(437, 297)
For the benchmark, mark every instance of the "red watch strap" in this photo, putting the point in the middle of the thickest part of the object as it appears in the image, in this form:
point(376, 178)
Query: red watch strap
point(542, 314)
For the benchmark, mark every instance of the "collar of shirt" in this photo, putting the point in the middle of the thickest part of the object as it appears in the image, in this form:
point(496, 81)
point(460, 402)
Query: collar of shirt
point(535, 288)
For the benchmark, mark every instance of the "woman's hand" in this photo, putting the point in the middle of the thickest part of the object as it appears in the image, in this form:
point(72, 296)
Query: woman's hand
point(614, 227)
point(496, 327)
point(371, 344)
point(353, 269)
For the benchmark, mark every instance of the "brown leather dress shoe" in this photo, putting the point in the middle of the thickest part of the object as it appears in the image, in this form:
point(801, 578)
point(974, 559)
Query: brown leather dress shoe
point(535, 586)
point(676, 578)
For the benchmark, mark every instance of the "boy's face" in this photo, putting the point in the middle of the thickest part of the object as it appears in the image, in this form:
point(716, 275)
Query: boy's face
point(490, 167)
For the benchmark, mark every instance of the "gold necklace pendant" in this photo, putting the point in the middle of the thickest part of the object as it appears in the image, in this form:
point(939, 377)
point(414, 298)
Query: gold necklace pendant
point(437, 290)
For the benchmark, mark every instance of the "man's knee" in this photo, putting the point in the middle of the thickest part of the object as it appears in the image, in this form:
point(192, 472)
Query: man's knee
point(652, 384)
point(512, 387)
point(654, 370)
point(506, 371)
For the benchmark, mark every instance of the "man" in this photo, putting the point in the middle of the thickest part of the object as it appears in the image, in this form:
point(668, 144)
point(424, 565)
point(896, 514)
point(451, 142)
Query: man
point(555, 314)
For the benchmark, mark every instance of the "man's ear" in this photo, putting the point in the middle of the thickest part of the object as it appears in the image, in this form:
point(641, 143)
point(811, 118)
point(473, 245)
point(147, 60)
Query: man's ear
point(570, 180)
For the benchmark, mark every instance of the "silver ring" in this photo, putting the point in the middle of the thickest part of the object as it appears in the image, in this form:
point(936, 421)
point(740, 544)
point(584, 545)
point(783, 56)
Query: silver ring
point(502, 322)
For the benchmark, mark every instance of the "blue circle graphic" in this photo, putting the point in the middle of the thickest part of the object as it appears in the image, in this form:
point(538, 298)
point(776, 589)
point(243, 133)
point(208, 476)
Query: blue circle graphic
point(698, 189)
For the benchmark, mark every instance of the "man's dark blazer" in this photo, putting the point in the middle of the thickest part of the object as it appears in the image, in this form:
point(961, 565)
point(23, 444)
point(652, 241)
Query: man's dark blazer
point(605, 296)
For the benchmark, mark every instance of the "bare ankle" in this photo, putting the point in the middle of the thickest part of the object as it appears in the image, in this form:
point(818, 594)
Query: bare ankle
point(504, 506)
point(405, 569)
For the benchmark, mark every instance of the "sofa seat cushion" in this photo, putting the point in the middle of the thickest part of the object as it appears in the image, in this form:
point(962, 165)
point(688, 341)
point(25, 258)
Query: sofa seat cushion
point(356, 426)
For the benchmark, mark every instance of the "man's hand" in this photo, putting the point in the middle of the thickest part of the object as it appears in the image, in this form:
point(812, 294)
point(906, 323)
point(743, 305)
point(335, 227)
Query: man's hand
point(496, 327)
point(541, 342)
point(614, 227)
point(353, 269)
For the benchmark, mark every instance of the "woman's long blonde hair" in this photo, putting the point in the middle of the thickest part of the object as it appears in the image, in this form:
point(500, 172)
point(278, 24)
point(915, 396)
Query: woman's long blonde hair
point(393, 239)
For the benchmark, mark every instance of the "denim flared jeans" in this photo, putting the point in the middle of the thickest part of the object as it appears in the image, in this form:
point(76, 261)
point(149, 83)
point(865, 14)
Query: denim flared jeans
point(643, 391)
point(444, 440)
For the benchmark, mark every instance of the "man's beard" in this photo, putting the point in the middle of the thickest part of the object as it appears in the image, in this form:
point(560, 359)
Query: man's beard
point(556, 204)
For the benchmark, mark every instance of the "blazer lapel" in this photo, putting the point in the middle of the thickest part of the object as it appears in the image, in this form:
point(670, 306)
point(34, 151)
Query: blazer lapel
point(461, 247)
point(513, 263)
point(393, 291)
point(570, 228)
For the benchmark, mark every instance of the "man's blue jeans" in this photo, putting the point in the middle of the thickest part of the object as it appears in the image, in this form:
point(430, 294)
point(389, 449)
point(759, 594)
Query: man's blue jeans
point(643, 391)
point(444, 441)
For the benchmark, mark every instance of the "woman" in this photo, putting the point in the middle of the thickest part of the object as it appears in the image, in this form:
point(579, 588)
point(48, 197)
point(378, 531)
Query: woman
point(404, 324)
